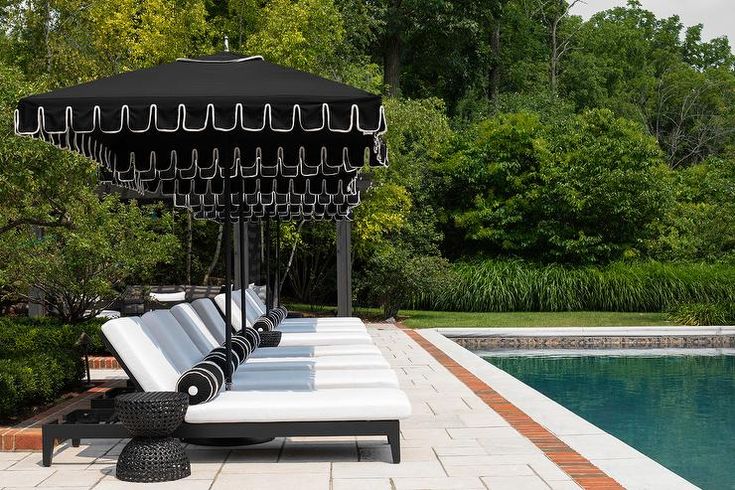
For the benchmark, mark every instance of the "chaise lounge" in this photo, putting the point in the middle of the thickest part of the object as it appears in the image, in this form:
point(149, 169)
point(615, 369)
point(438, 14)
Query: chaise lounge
point(316, 394)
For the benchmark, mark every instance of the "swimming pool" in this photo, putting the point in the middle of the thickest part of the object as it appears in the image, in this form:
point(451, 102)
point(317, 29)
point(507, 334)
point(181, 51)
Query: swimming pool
point(677, 409)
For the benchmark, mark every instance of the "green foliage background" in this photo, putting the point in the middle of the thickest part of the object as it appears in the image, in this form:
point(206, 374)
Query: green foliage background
point(582, 164)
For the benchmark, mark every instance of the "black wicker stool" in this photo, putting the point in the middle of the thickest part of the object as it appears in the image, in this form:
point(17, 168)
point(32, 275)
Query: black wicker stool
point(152, 455)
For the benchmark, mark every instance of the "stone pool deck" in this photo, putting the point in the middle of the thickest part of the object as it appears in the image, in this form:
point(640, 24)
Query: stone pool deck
point(473, 427)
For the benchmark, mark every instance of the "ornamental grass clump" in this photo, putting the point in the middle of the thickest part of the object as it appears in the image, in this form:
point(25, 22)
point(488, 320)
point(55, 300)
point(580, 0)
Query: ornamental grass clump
point(703, 314)
point(497, 286)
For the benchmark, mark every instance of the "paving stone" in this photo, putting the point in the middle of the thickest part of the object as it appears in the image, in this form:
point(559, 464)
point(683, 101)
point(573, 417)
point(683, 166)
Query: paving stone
point(377, 470)
point(367, 484)
point(25, 478)
point(72, 478)
point(277, 469)
point(514, 483)
point(302, 481)
point(184, 484)
point(438, 483)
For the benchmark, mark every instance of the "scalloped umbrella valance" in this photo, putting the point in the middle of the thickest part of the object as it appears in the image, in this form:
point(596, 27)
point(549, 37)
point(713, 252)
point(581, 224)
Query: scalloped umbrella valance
point(181, 117)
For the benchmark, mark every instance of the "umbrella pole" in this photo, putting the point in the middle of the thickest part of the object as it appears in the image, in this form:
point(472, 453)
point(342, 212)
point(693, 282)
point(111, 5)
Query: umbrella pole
point(243, 252)
point(228, 281)
point(277, 288)
point(268, 285)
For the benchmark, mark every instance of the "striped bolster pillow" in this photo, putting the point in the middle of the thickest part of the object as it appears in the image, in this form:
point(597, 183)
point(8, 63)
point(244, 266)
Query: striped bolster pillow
point(202, 382)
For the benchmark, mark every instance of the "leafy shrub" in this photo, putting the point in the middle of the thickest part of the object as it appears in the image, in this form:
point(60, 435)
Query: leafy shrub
point(39, 360)
point(522, 286)
point(703, 314)
point(393, 277)
point(581, 191)
point(22, 334)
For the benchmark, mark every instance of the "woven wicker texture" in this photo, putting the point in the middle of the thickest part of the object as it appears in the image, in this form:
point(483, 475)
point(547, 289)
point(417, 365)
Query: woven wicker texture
point(152, 414)
point(152, 455)
point(153, 460)
point(270, 339)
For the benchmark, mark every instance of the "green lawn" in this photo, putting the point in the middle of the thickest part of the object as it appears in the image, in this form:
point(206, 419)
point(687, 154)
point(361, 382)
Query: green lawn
point(448, 319)
point(434, 319)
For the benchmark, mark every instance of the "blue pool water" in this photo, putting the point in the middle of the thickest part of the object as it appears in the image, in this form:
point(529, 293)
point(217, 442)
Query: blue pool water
point(678, 410)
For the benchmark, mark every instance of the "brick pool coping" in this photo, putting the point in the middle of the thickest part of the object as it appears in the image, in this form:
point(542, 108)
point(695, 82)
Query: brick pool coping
point(579, 468)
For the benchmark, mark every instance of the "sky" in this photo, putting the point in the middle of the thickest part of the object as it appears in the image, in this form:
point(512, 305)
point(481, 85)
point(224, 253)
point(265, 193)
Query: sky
point(718, 16)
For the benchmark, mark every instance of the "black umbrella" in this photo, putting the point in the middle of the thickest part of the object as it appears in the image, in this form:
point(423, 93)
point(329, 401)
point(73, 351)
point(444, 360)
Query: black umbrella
point(231, 137)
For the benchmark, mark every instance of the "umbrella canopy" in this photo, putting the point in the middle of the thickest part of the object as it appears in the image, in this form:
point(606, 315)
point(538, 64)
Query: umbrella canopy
point(192, 119)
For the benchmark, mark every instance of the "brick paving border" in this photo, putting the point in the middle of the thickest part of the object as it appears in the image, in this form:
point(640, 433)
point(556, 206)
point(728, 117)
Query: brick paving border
point(579, 468)
point(26, 435)
point(103, 362)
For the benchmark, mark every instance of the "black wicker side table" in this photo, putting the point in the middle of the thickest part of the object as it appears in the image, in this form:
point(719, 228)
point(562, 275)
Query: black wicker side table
point(152, 455)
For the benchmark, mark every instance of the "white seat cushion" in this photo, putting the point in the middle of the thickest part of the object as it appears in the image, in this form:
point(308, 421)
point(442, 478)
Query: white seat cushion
point(252, 315)
point(315, 363)
point(212, 318)
point(324, 339)
point(257, 307)
point(141, 354)
point(168, 297)
point(302, 406)
point(194, 327)
point(302, 380)
point(315, 351)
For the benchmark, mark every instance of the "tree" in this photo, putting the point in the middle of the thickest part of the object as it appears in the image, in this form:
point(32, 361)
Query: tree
point(82, 269)
point(303, 34)
point(72, 41)
point(582, 192)
point(37, 181)
point(701, 223)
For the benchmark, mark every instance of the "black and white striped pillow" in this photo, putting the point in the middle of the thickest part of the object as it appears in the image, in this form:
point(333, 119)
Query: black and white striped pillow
point(265, 323)
point(252, 335)
point(280, 313)
point(218, 355)
point(202, 382)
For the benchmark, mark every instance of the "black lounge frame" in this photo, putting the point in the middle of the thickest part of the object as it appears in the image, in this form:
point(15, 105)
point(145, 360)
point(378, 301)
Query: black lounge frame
point(76, 431)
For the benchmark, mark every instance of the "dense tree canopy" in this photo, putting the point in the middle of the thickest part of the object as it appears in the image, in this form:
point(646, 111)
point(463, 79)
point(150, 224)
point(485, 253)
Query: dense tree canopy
point(516, 130)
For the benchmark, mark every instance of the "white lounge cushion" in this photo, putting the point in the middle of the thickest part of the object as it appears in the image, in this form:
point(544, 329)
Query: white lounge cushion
point(141, 354)
point(205, 341)
point(182, 353)
point(302, 380)
point(197, 330)
point(168, 297)
point(315, 351)
point(212, 318)
point(324, 339)
point(253, 311)
point(257, 307)
point(315, 363)
point(302, 406)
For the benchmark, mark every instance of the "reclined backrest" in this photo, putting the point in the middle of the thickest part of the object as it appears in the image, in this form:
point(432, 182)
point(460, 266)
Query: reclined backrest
point(140, 354)
point(236, 318)
point(253, 310)
point(171, 339)
point(198, 332)
point(255, 300)
point(211, 317)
